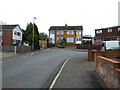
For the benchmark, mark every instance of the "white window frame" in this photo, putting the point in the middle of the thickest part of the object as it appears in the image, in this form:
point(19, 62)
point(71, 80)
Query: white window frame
point(60, 32)
point(110, 30)
point(70, 39)
point(0, 32)
point(61, 38)
point(52, 32)
point(17, 33)
point(119, 29)
point(98, 40)
point(68, 32)
point(78, 39)
point(50, 39)
point(78, 32)
point(99, 31)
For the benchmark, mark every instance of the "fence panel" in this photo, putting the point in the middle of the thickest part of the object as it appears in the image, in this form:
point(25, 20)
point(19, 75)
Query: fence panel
point(20, 49)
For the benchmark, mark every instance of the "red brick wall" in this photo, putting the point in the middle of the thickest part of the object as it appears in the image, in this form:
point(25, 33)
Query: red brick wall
point(98, 43)
point(102, 39)
point(7, 37)
point(109, 71)
point(112, 54)
point(82, 46)
point(65, 35)
point(106, 33)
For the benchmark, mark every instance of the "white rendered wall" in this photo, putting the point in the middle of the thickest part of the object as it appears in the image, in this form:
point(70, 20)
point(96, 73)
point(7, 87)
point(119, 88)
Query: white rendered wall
point(78, 35)
point(53, 37)
point(16, 37)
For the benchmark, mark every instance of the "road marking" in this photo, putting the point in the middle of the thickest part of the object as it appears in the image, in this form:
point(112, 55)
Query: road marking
point(55, 79)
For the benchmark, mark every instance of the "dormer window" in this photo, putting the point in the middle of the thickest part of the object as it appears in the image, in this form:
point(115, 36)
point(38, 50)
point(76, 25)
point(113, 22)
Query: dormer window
point(109, 30)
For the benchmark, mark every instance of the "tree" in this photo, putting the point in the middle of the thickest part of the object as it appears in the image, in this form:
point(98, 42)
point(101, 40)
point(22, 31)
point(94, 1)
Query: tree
point(43, 36)
point(28, 34)
point(30, 39)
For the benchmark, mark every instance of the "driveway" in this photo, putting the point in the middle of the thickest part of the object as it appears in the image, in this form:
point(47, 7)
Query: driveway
point(33, 71)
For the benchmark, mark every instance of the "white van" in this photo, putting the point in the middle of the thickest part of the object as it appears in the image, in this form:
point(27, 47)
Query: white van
point(107, 45)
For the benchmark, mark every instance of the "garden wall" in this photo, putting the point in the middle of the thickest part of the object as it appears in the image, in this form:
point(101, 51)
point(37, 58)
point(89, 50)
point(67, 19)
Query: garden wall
point(19, 49)
point(112, 54)
point(82, 46)
point(109, 71)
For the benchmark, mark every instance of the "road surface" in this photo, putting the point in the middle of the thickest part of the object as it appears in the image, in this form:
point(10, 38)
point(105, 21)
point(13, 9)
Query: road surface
point(33, 71)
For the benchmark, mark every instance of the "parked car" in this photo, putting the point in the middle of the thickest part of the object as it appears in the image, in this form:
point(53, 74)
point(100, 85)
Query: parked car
point(25, 44)
point(107, 45)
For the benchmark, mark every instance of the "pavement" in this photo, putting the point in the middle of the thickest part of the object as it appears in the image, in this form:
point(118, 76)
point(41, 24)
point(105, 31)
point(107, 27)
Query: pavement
point(7, 56)
point(78, 73)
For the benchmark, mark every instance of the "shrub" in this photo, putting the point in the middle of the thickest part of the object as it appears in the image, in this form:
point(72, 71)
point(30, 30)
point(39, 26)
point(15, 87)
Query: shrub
point(49, 45)
point(61, 46)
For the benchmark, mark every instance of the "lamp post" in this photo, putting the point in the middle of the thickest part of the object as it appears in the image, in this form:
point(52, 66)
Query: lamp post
point(33, 33)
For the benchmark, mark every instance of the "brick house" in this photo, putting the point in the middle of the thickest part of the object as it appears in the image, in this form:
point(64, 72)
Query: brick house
point(11, 34)
point(107, 34)
point(72, 34)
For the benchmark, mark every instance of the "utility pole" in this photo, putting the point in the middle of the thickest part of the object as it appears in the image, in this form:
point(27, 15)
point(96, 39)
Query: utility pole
point(33, 33)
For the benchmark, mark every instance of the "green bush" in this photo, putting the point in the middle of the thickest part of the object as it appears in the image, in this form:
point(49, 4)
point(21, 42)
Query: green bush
point(61, 46)
point(49, 45)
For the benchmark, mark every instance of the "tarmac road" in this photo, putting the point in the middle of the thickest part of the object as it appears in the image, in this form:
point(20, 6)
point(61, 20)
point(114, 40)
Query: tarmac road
point(33, 71)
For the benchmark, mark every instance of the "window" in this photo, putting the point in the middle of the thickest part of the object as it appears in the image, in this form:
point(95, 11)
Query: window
point(109, 30)
point(60, 32)
point(50, 39)
point(106, 39)
point(0, 32)
point(99, 31)
point(51, 32)
point(118, 38)
point(70, 32)
point(113, 38)
point(78, 39)
point(70, 39)
point(59, 38)
point(17, 33)
point(119, 29)
point(98, 40)
point(78, 32)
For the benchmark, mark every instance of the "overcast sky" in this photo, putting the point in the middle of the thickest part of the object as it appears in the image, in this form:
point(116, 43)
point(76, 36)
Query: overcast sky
point(91, 14)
